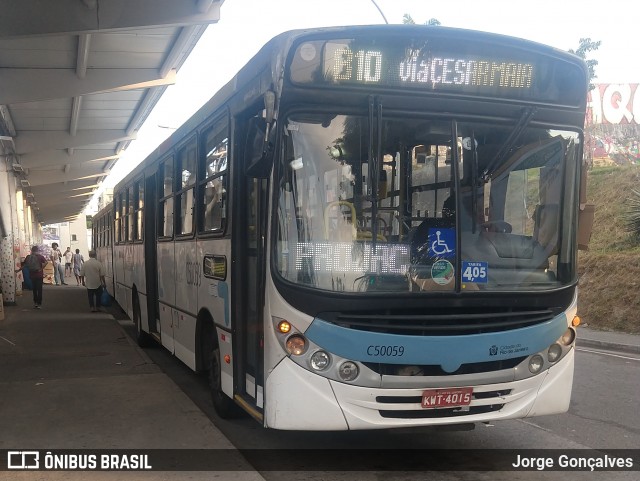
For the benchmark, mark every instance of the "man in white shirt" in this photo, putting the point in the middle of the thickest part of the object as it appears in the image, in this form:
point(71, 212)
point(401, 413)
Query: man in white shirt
point(92, 275)
point(68, 259)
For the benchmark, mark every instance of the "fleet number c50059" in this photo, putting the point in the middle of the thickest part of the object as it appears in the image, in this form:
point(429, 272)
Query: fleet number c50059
point(392, 351)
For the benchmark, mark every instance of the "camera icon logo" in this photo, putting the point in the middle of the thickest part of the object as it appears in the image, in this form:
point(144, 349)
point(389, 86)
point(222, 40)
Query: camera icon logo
point(23, 460)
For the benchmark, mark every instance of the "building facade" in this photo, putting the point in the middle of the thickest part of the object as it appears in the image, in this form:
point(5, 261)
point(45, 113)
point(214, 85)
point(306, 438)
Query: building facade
point(19, 228)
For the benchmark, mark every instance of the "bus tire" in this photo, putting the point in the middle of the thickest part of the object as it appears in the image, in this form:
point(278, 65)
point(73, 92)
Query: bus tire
point(143, 339)
point(223, 404)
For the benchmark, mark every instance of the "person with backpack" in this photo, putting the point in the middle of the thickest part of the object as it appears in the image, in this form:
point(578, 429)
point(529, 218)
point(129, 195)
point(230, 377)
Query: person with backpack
point(35, 262)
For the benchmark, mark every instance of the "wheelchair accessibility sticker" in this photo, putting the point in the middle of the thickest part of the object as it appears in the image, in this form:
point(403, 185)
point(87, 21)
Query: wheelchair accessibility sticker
point(442, 242)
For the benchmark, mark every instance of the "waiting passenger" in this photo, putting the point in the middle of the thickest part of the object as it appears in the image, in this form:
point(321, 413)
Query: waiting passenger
point(78, 260)
point(92, 275)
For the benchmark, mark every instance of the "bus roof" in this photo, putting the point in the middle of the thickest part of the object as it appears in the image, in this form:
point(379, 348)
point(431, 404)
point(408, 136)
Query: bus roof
point(272, 54)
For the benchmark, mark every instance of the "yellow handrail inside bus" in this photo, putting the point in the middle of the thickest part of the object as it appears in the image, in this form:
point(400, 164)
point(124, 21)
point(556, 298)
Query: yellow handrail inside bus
point(355, 233)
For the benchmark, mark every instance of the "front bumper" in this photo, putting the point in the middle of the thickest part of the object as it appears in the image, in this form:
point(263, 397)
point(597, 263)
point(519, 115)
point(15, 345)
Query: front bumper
point(299, 399)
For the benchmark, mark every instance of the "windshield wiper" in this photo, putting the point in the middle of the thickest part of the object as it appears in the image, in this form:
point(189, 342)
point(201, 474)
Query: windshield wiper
point(523, 121)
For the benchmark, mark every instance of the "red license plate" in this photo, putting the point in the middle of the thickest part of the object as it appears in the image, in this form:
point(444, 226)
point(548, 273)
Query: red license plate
point(441, 398)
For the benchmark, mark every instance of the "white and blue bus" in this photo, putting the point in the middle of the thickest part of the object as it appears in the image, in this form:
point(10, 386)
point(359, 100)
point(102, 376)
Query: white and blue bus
point(367, 227)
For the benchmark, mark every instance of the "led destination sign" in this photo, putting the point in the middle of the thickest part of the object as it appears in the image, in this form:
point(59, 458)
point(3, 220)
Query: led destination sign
point(345, 257)
point(366, 66)
point(448, 65)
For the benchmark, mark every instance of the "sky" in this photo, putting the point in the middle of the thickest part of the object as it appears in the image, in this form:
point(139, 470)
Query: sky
point(246, 25)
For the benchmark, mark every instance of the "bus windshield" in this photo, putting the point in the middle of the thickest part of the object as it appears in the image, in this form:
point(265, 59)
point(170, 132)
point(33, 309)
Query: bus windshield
point(416, 204)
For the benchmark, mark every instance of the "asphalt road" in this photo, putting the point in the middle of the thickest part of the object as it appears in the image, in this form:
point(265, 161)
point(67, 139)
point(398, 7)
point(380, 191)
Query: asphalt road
point(603, 415)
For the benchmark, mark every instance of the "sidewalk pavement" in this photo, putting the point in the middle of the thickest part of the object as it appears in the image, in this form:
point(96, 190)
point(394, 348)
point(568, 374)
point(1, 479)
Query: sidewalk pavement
point(613, 341)
point(73, 379)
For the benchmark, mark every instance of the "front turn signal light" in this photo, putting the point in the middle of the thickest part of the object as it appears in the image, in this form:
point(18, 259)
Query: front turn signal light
point(284, 327)
point(576, 321)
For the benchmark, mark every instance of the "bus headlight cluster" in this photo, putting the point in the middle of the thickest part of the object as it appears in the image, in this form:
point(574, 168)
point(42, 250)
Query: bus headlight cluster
point(291, 340)
point(558, 349)
point(553, 353)
point(314, 358)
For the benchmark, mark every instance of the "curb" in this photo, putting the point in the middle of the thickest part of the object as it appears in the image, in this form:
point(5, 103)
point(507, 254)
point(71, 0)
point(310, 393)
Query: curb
point(613, 346)
point(133, 343)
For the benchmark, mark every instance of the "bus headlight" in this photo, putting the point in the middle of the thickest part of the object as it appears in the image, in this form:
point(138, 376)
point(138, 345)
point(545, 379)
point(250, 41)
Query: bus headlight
point(568, 337)
point(319, 360)
point(535, 364)
point(554, 352)
point(296, 345)
point(348, 371)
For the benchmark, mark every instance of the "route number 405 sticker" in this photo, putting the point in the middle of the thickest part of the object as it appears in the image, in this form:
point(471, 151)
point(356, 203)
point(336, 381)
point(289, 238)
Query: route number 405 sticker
point(475, 272)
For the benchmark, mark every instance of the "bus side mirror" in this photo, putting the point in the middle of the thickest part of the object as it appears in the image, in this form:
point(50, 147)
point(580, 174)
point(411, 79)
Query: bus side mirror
point(586, 214)
point(259, 148)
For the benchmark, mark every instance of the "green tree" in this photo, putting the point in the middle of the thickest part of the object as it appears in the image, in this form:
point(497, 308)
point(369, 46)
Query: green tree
point(585, 47)
point(408, 20)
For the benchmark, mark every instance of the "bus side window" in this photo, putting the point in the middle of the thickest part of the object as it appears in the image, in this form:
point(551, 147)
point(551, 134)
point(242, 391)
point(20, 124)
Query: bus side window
point(165, 187)
point(213, 194)
point(214, 203)
point(117, 202)
point(187, 179)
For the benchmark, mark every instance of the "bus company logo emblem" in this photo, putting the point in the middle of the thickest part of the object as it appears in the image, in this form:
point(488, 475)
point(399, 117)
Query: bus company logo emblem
point(23, 460)
point(493, 350)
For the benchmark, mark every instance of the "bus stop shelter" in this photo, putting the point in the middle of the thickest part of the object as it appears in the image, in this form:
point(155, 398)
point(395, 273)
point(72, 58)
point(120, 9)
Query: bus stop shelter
point(78, 78)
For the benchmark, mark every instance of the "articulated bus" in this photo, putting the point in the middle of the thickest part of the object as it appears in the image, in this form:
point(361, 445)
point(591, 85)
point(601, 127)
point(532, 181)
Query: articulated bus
point(367, 227)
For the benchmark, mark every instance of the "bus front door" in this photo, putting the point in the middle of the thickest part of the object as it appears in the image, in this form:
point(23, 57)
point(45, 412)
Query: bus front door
point(250, 296)
point(150, 254)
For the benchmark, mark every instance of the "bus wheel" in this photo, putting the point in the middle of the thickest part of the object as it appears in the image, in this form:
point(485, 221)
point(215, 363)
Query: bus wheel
point(224, 405)
point(142, 338)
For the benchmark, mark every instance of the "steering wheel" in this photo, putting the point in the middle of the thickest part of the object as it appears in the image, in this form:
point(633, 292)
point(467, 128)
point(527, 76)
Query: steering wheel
point(499, 226)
